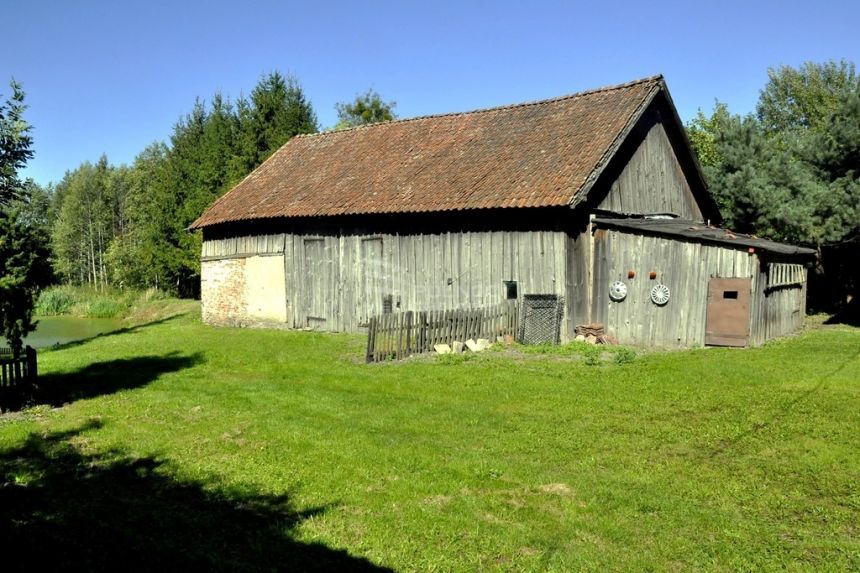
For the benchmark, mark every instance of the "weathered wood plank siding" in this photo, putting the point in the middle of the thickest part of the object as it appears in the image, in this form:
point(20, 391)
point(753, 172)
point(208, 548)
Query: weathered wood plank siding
point(418, 272)
point(652, 181)
point(243, 246)
point(338, 281)
point(685, 267)
point(783, 299)
point(784, 310)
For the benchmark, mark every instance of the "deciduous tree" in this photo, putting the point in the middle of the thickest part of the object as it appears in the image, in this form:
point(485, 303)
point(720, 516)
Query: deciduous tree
point(790, 172)
point(366, 108)
point(804, 97)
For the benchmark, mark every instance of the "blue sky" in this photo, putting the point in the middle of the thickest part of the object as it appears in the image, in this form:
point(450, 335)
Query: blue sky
point(111, 77)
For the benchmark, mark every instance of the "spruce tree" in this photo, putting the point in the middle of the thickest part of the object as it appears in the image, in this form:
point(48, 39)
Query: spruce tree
point(279, 110)
point(23, 257)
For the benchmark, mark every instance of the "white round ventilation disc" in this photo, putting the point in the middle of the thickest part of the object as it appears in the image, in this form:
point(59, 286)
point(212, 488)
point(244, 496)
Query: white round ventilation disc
point(660, 294)
point(618, 291)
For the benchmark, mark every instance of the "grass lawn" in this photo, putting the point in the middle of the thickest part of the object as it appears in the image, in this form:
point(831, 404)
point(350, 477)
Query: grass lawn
point(178, 445)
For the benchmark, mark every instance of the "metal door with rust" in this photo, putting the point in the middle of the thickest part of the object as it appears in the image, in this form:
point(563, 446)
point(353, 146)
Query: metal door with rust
point(728, 316)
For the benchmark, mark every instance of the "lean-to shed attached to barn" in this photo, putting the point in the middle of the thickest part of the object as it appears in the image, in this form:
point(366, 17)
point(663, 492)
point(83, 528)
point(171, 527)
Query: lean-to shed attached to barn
point(595, 198)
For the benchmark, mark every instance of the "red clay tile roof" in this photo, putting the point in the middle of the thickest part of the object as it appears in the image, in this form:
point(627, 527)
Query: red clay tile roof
point(536, 154)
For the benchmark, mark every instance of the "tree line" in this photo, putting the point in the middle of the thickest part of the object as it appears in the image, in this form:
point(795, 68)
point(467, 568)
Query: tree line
point(790, 171)
point(126, 225)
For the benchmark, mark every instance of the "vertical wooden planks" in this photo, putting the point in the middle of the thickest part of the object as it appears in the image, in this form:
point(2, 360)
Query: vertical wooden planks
point(401, 334)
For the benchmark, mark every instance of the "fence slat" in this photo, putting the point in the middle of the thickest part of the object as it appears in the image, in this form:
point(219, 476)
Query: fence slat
point(401, 334)
point(16, 373)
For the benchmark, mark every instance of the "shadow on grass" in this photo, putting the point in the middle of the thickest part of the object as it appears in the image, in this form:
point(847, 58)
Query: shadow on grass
point(848, 314)
point(64, 509)
point(100, 378)
point(729, 444)
point(123, 330)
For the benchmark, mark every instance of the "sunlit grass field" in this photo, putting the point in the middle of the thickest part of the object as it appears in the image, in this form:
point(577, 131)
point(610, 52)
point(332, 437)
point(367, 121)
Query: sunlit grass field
point(179, 445)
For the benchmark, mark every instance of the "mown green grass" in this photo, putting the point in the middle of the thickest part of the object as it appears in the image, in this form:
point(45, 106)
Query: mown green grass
point(286, 448)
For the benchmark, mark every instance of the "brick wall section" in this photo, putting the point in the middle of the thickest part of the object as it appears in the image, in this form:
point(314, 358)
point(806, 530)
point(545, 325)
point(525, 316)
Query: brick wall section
point(222, 292)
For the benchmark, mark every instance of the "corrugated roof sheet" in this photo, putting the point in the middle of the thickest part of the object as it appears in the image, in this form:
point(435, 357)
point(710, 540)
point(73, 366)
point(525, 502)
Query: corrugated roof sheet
point(536, 154)
point(700, 232)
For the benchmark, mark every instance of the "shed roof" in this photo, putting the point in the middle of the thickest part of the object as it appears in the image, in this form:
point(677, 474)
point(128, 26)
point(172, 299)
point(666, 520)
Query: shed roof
point(538, 154)
point(700, 232)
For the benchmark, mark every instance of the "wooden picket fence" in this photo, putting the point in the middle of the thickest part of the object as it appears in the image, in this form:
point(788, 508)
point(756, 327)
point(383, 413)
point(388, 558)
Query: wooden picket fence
point(16, 373)
point(398, 335)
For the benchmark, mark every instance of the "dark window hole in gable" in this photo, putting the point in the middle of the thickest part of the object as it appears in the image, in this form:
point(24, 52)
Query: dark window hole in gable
point(730, 294)
point(510, 290)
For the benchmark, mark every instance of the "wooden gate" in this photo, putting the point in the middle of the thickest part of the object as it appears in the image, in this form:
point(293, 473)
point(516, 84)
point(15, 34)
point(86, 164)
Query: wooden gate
point(728, 316)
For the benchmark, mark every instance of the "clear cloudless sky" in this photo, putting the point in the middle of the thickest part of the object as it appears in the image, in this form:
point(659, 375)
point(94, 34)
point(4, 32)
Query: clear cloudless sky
point(111, 76)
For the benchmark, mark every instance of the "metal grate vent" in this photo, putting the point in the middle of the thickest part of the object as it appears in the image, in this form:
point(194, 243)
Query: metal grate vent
point(540, 319)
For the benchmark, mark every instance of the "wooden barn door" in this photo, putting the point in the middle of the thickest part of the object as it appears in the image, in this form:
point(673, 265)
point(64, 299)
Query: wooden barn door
point(370, 288)
point(728, 316)
point(315, 283)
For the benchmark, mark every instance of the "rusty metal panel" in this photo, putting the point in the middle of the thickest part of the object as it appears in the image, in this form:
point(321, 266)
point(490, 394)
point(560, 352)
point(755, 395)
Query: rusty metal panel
point(728, 315)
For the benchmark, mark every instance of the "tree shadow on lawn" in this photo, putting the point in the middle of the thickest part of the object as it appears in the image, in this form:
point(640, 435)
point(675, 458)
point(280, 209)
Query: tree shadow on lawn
point(64, 509)
point(96, 379)
point(783, 410)
point(107, 377)
point(848, 315)
point(123, 330)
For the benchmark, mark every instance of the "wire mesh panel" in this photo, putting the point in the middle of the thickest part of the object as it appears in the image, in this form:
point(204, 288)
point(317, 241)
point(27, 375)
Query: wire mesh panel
point(540, 319)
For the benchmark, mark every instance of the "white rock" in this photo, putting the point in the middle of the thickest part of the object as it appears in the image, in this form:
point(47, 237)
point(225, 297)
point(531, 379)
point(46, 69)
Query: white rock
point(472, 345)
point(591, 339)
point(483, 343)
point(442, 349)
point(580, 337)
point(457, 347)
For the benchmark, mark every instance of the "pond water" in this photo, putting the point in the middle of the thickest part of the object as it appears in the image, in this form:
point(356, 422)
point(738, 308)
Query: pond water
point(53, 330)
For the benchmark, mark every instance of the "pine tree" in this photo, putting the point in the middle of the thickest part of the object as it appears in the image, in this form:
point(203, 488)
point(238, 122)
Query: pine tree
point(15, 142)
point(791, 171)
point(23, 257)
point(128, 225)
point(279, 110)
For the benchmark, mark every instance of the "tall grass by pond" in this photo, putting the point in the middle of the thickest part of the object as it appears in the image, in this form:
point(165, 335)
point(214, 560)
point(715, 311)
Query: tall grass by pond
point(92, 303)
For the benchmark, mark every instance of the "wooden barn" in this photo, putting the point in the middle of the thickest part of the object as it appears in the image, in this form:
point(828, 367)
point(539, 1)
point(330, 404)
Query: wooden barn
point(595, 198)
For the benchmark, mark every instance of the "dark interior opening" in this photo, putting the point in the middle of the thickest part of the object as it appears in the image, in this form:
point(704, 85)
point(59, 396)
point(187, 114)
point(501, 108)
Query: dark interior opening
point(733, 294)
point(510, 290)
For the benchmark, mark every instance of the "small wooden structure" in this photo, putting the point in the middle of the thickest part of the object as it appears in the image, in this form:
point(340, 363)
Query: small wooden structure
point(17, 374)
point(563, 197)
point(725, 288)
